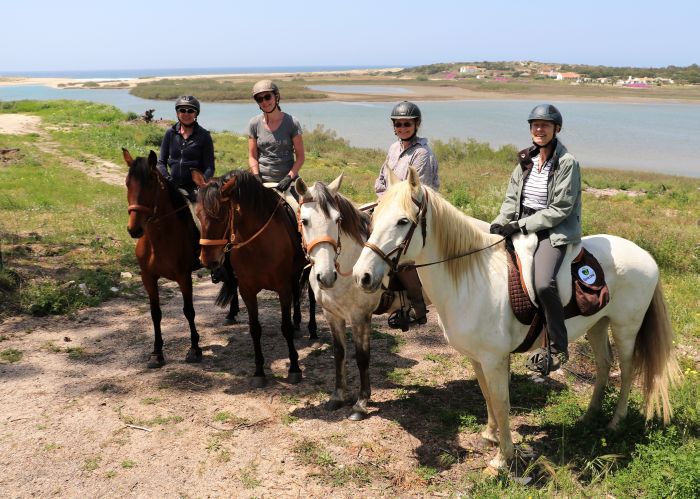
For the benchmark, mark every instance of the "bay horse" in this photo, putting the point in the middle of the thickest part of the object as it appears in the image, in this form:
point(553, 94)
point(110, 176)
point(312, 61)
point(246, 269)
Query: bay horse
point(250, 223)
point(471, 297)
point(167, 244)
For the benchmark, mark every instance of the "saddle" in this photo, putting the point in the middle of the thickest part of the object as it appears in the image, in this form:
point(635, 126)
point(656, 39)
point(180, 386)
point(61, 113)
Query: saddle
point(583, 288)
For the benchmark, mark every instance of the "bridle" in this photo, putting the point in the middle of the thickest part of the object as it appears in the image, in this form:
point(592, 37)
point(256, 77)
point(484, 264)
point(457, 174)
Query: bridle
point(421, 216)
point(307, 247)
point(229, 241)
point(151, 212)
point(402, 248)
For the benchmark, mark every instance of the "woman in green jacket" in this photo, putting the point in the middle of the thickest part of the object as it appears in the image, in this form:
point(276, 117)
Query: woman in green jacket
point(544, 197)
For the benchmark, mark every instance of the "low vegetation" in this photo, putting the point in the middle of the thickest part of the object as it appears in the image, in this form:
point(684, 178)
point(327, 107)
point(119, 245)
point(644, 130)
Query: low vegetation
point(64, 244)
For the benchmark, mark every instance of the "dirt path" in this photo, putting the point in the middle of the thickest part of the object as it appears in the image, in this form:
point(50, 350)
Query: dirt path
point(81, 415)
point(20, 124)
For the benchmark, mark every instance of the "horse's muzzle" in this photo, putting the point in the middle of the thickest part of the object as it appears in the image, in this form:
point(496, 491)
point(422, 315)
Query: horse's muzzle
point(135, 233)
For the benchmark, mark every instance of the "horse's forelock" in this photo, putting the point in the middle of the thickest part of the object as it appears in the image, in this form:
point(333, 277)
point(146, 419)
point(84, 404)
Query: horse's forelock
point(401, 195)
point(140, 170)
point(353, 222)
point(324, 198)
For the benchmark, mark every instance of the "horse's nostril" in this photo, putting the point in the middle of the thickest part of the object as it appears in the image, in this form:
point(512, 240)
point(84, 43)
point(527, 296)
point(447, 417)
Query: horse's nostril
point(335, 276)
point(366, 279)
point(318, 277)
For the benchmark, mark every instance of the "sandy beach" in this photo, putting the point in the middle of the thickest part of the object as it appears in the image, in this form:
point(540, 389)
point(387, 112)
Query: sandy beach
point(438, 89)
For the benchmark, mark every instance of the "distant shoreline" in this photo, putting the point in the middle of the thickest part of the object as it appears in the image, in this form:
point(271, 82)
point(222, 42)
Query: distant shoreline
point(438, 90)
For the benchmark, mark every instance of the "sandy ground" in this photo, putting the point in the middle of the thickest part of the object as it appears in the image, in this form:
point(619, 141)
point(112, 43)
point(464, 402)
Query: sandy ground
point(19, 124)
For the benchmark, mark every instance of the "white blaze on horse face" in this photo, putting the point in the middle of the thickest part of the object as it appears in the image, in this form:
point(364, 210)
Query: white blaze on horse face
point(314, 225)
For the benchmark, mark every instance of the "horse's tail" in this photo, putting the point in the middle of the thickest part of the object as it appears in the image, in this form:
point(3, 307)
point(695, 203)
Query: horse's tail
point(229, 286)
point(655, 359)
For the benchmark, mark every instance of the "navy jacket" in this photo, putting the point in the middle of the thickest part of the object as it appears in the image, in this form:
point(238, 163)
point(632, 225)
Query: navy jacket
point(180, 155)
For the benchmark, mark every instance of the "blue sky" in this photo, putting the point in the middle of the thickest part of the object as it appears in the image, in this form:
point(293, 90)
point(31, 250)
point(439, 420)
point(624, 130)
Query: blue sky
point(133, 34)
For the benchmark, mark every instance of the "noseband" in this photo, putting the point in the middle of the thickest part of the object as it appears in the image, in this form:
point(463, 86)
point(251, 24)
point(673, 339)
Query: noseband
point(403, 246)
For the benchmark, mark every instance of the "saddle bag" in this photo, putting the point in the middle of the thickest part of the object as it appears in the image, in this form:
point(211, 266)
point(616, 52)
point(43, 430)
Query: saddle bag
point(590, 291)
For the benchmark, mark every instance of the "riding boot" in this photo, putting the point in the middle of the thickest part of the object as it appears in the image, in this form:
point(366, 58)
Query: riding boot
point(414, 291)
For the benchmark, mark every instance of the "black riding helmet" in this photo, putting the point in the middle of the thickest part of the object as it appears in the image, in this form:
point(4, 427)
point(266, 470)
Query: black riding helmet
point(187, 101)
point(546, 112)
point(407, 110)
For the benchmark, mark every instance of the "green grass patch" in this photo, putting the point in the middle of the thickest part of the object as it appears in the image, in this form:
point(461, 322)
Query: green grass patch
point(310, 452)
point(248, 476)
point(128, 464)
point(11, 355)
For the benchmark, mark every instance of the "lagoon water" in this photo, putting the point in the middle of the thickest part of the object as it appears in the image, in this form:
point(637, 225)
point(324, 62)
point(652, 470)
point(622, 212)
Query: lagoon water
point(660, 137)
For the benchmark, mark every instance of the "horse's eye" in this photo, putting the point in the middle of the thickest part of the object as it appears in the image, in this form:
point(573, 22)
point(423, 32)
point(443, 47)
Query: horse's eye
point(305, 222)
point(339, 220)
point(403, 221)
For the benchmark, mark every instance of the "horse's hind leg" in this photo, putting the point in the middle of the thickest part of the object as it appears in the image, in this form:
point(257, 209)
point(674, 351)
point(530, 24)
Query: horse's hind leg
point(194, 354)
point(490, 434)
point(360, 334)
point(294, 373)
point(337, 325)
point(496, 377)
point(313, 328)
point(625, 336)
point(296, 301)
point(598, 339)
point(150, 284)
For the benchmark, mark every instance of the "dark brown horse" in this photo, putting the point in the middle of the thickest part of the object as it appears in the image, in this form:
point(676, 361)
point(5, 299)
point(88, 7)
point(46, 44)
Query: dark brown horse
point(239, 214)
point(167, 246)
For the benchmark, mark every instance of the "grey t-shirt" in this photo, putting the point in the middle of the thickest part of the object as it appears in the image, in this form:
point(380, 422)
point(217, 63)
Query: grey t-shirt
point(275, 149)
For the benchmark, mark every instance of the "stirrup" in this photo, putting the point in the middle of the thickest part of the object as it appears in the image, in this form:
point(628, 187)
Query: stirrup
point(399, 319)
point(543, 363)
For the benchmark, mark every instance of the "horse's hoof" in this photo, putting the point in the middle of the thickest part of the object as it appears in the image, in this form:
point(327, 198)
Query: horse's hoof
point(357, 416)
point(334, 404)
point(229, 321)
point(294, 378)
point(258, 382)
point(498, 462)
point(156, 361)
point(193, 356)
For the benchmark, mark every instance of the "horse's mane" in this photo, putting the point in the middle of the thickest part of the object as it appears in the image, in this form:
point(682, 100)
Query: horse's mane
point(354, 222)
point(141, 171)
point(248, 193)
point(454, 232)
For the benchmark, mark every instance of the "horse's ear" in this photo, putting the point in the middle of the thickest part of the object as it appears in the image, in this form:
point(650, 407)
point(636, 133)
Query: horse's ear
point(392, 178)
point(127, 157)
point(226, 188)
point(152, 159)
point(197, 177)
point(300, 187)
point(335, 185)
point(413, 179)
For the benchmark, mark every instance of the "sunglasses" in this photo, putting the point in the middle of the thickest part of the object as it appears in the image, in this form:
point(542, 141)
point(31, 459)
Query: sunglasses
point(260, 98)
point(403, 124)
point(186, 110)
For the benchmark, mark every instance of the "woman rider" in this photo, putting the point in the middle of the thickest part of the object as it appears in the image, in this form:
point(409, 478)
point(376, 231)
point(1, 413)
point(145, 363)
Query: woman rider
point(544, 197)
point(186, 146)
point(275, 145)
point(409, 151)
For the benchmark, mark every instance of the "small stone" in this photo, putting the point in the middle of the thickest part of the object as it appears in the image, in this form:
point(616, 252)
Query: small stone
point(125, 275)
point(66, 338)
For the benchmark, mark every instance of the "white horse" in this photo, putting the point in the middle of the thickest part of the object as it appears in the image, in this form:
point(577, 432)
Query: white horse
point(334, 232)
point(471, 297)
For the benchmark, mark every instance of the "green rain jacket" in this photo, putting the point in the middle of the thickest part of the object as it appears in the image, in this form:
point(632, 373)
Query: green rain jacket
point(563, 213)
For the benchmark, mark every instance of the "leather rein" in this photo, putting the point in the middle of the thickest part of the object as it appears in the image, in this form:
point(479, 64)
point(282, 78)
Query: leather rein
point(151, 212)
point(403, 246)
point(229, 241)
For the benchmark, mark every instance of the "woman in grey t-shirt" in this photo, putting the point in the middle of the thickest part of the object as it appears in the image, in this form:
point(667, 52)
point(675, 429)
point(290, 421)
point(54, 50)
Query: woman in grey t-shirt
point(275, 145)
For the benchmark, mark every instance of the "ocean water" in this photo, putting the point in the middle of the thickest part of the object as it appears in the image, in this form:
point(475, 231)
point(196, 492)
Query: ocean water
point(660, 137)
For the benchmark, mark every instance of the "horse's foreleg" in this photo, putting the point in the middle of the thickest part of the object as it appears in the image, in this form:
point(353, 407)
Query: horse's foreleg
point(150, 284)
point(360, 334)
point(234, 307)
point(496, 377)
point(194, 354)
point(490, 434)
point(337, 325)
point(250, 298)
point(624, 336)
point(294, 373)
point(598, 339)
point(313, 329)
